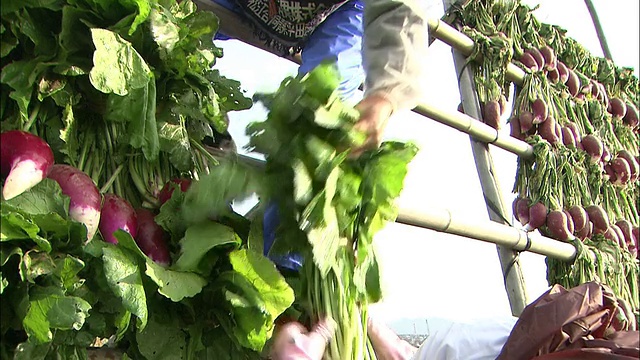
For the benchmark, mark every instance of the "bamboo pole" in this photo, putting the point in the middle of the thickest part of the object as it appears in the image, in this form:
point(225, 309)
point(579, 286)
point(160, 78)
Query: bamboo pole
point(511, 270)
point(599, 31)
point(442, 220)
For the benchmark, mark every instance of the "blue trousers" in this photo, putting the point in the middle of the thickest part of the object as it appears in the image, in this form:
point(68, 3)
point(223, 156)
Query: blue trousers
point(337, 38)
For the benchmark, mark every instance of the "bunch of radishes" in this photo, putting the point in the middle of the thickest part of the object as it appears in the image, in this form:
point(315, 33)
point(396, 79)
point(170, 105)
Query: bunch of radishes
point(576, 222)
point(27, 159)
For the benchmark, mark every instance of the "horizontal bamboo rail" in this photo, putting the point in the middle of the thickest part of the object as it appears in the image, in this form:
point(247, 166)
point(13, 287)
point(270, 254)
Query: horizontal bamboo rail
point(443, 221)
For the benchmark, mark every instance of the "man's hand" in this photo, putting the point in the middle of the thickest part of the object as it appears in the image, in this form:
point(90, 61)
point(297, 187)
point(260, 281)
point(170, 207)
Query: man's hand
point(294, 342)
point(386, 344)
point(375, 111)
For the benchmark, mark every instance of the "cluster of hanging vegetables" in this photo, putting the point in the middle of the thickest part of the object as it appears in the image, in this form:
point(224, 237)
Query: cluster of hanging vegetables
point(579, 112)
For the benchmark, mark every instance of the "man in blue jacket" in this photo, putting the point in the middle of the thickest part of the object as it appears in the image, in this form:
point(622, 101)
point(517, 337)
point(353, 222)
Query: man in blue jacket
point(380, 43)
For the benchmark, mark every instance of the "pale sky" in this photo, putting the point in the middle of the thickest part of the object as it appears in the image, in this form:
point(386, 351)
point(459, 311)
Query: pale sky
point(428, 274)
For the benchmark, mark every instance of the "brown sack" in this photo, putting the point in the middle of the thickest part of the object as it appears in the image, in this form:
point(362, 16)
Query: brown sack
point(585, 322)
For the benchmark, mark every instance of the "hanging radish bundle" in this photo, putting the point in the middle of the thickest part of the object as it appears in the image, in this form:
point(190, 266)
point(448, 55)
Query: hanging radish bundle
point(579, 113)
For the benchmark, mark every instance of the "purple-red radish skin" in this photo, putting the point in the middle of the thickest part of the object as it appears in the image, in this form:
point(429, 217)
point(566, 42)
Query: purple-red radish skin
point(634, 167)
point(537, 56)
point(593, 146)
point(579, 216)
point(595, 90)
point(575, 130)
point(167, 189)
point(636, 239)
point(537, 216)
point(631, 117)
point(610, 234)
point(547, 130)
point(491, 114)
point(563, 72)
point(609, 173)
point(622, 170)
point(117, 214)
point(568, 138)
point(529, 61)
point(573, 83)
point(598, 217)
point(606, 155)
point(626, 228)
point(526, 122)
point(571, 226)
point(514, 126)
point(521, 210)
point(85, 198)
point(620, 235)
point(25, 159)
point(540, 111)
point(554, 76)
point(617, 108)
point(559, 131)
point(585, 232)
point(151, 237)
point(557, 225)
point(503, 104)
point(549, 57)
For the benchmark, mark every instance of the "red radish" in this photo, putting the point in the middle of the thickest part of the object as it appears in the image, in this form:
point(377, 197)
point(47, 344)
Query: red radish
point(503, 104)
point(554, 76)
point(151, 237)
point(549, 57)
point(529, 61)
point(575, 130)
point(595, 90)
point(117, 214)
point(620, 235)
point(515, 131)
point(521, 210)
point(25, 159)
point(540, 111)
point(598, 217)
point(587, 88)
point(573, 83)
point(568, 138)
point(585, 232)
point(617, 108)
point(631, 117)
point(563, 72)
point(626, 228)
point(537, 56)
point(634, 167)
point(571, 226)
point(609, 173)
point(167, 189)
point(593, 146)
point(491, 114)
point(610, 234)
point(579, 216)
point(537, 216)
point(526, 121)
point(548, 130)
point(622, 170)
point(581, 97)
point(606, 155)
point(85, 198)
point(557, 225)
point(559, 132)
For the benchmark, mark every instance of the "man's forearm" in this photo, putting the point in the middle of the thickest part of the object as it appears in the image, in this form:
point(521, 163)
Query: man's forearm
point(394, 49)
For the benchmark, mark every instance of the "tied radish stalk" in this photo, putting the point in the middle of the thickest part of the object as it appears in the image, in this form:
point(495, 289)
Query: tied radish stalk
point(326, 205)
point(25, 159)
point(85, 199)
point(117, 214)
